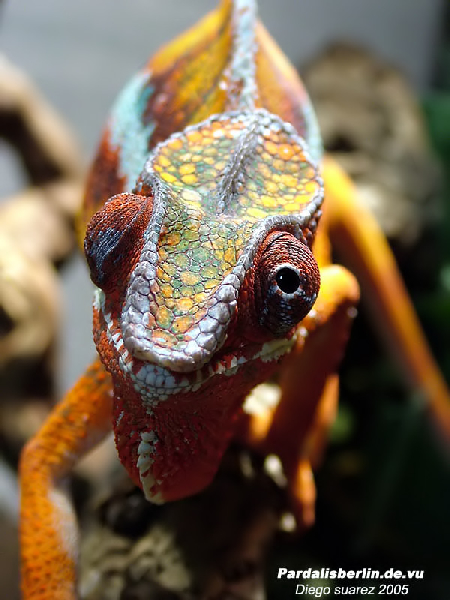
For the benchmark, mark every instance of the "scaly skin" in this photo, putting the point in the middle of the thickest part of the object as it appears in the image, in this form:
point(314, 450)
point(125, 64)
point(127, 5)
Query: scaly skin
point(201, 217)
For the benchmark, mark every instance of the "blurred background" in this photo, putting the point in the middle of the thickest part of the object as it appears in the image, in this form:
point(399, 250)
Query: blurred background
point(384, 488)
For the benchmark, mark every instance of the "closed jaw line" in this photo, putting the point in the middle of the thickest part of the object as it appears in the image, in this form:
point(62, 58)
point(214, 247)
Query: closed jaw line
point(156, 383)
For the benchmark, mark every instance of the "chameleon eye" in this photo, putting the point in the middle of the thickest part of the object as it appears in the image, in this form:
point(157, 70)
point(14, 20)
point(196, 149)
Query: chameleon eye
point(287, 283)
point(114, 239)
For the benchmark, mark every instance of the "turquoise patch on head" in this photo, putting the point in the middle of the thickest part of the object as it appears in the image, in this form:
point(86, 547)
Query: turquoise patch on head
point(128, 132)
point(313, 136)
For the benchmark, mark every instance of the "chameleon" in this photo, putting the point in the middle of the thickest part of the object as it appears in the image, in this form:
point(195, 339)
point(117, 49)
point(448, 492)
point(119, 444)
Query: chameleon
point(207, 221)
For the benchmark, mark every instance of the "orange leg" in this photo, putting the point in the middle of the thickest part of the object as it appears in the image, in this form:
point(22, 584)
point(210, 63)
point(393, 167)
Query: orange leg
point(48, 524)
point(301, 480)
point(295, 429)
point(358, 237)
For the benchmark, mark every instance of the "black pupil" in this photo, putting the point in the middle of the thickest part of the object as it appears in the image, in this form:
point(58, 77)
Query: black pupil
point(288, 280)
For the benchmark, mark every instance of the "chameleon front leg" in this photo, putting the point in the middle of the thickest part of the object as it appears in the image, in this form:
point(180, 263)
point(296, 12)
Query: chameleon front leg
point(358, 237)
point(295, 430)
point(48, 525)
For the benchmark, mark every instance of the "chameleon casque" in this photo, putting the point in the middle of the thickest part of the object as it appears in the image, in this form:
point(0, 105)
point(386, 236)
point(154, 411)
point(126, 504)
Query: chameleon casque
point(212, 273)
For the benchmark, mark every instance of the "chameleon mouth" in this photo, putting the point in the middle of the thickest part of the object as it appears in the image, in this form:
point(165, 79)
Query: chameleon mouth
point(156, 383)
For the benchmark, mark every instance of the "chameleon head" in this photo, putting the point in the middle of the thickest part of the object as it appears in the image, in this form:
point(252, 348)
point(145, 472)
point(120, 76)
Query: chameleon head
point(206, 268)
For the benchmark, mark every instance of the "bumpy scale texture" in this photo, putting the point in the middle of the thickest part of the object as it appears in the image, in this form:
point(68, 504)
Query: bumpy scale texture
point(222, 180)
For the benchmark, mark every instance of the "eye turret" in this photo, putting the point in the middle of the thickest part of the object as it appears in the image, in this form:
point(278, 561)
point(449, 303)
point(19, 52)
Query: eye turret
point(114, 239)
point(287, 282)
